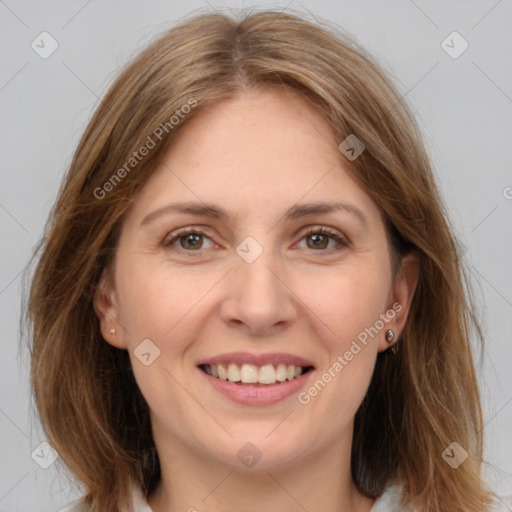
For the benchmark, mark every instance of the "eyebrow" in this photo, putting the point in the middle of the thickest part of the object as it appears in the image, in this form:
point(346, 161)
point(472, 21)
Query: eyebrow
point(297, 211)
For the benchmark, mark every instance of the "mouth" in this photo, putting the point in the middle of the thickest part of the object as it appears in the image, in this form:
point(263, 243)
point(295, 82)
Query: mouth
point(255, 375)
point(256, 379)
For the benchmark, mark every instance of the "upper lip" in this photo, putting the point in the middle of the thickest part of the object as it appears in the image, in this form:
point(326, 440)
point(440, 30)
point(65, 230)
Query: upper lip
point(240, 358)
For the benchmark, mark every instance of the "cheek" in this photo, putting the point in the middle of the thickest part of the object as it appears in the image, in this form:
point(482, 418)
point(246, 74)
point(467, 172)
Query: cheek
point(346, 301)
point(154, 301)
point(350, 305)
point(160, 305)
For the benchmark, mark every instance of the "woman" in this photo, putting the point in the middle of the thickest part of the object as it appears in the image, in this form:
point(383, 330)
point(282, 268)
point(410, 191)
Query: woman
point(248, 296)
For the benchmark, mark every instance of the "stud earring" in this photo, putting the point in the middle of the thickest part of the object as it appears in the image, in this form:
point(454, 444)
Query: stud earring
point(390, 335)
point(112, 331)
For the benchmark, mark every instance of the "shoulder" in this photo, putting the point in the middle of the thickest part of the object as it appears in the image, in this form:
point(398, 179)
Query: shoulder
point(389, 501)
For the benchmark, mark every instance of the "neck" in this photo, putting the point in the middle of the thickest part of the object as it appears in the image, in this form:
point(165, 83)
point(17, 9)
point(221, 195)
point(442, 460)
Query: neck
point(192, 481)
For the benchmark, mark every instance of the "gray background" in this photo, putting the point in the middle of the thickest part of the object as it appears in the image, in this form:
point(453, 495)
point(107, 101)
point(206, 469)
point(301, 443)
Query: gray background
point(464, 107)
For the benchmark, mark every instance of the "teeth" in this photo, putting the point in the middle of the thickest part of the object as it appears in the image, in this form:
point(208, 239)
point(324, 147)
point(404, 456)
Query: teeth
point(252, 374)
point(223, 374)
point(281, 372)
point(233, 372)
point(249, 373)
point(267, 374)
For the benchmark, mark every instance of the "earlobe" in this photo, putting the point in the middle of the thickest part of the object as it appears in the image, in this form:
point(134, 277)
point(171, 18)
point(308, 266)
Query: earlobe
point(105, 307)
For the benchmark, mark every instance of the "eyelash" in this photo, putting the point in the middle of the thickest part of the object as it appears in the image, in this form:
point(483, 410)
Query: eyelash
point(342, 241)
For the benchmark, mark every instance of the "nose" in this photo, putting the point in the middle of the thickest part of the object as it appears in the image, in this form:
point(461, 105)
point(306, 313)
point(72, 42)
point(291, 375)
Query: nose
point(258, 298)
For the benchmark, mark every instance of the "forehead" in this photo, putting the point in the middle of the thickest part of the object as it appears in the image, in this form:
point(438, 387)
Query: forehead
point(263, 151)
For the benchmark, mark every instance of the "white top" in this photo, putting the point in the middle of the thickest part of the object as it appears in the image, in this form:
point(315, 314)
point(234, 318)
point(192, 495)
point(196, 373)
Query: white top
point(387, 502)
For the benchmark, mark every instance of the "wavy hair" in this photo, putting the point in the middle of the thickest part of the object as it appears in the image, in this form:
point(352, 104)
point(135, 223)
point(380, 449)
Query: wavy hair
point(419, 400)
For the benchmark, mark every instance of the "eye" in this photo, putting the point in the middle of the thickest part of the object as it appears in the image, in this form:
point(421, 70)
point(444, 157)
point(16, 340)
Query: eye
point(321, 236)
point(189, 239)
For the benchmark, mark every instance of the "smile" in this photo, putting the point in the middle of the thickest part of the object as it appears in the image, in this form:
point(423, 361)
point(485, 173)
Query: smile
point(256, 379)
point(268, 374)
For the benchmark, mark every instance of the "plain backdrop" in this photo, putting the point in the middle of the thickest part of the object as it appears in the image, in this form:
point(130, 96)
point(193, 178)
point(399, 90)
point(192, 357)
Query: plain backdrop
point(463, 105)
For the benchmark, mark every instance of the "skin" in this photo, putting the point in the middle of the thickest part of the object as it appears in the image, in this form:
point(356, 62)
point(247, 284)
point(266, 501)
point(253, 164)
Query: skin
point(256, 156)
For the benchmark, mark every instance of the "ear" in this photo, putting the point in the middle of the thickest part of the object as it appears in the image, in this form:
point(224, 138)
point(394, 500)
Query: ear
point(402, 292)
point(106, 309)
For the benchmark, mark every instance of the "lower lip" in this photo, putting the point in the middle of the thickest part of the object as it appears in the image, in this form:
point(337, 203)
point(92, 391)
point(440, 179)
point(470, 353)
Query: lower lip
point(258, 395)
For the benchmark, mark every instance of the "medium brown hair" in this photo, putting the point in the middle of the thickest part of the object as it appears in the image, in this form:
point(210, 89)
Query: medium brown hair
point(419, 400)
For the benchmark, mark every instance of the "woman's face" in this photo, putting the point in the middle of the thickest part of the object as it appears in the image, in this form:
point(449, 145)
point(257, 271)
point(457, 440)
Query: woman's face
point(256, 292)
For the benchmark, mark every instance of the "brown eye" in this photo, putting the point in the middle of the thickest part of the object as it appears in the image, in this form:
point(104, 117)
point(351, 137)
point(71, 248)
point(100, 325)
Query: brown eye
point(189, 240)
point(320, 238)
point(319, 241)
